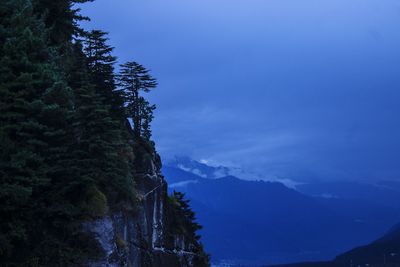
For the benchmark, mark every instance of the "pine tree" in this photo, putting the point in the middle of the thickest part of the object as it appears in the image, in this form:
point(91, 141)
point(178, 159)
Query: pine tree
point(63, 140)
point(100, 61)
point(56, 148)
point(184, 223)
point(109, 123)
point(61, 18)
point(34, 107)
point(187, 216)
point(146, 117)
point(133, 78)
point(100, 64)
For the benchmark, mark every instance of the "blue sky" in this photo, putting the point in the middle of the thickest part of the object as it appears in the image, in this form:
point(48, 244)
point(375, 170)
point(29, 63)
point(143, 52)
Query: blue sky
point(301, 89)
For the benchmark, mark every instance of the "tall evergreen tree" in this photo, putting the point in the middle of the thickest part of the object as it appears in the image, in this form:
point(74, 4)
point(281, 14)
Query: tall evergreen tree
point(108, 126)
point(100, 61)
point(61, 17)
point(133, 78)
point(34, 106)
point(63, 146)
point(58, 150)
point(146, 117)
point(184, 223)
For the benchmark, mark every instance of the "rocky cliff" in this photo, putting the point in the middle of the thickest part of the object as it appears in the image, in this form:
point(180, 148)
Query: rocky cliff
point(147, 234)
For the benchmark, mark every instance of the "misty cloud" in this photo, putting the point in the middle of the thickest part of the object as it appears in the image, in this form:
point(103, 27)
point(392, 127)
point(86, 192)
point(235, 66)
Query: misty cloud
point(299, 89)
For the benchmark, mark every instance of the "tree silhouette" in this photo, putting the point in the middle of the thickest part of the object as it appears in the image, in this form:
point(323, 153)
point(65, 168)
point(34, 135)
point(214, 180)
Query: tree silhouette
point(133, 78)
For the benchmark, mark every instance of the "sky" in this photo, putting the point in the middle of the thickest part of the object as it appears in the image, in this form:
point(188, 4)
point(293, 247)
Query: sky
point(298, 89)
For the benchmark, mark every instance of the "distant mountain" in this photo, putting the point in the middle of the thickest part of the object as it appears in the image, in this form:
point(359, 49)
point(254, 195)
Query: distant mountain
point(308, 264)
point(390, 184)
point(257, 222)
point(384, 252)
point(385, 193)
point(200, 169)
point(206, 171)
point(176, 175)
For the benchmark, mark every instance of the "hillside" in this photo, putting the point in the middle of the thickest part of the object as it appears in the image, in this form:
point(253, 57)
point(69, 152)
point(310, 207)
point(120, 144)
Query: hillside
point(383, 252)
point(257, 222)
point(80, 179)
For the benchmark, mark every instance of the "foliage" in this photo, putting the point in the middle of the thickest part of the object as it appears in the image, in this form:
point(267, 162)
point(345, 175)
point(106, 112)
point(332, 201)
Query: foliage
point(133, 78)
point(63, 149)
point(61, 20)
point(95, 204)
point(65, 146)
point(31, 118)
point(183, 222)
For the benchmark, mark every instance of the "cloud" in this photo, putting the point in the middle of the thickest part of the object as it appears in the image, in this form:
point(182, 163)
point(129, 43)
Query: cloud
point(297, 89)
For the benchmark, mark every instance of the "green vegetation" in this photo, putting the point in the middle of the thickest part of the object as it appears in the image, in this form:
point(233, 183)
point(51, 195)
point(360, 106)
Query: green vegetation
point(133, 78)
point(95, 204)
point(183, 223)
point(66, 152)
point(63, 135)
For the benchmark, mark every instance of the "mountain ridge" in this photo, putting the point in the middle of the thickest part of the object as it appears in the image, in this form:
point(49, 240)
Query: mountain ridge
point(276, 219)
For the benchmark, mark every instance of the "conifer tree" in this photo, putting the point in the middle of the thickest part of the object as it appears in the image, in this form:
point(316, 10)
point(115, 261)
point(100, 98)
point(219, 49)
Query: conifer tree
point(34, 108)
point(107, 127)
point(57, 150)
point(100, 61)
point(133, 78)
point(63, 146)
point(61, 17)
point(99, 138)
point(187, 216)
point(184, 223)
point(146, 117)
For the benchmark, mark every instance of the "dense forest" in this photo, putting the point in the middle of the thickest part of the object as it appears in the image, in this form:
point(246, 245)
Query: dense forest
point(66, 137)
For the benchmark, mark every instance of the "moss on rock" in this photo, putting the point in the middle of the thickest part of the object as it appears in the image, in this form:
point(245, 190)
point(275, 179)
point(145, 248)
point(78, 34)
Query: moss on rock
point(95, 204)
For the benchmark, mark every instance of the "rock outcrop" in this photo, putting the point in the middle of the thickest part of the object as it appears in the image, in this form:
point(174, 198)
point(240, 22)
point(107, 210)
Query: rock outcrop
point(144, 235)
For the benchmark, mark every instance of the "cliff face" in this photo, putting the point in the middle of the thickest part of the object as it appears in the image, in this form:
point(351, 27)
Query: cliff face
point(144, 236)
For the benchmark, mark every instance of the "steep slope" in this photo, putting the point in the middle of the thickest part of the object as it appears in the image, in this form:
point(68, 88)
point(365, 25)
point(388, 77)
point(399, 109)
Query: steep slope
point(78, 186)
point(146, 235)
point(385, 250)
